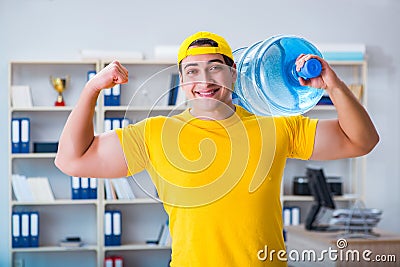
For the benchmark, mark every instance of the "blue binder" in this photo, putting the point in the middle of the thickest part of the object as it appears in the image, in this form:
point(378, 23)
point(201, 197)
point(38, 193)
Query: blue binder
point(34, 228)
point(75, 187)
point(25, 135)
point(16, 230)
point(25, 229)
point(116, 95)
point(117, 225)
point(84, 188)
point(107, 96)
point(15, 136)
point(108, 240)
point(92, 188)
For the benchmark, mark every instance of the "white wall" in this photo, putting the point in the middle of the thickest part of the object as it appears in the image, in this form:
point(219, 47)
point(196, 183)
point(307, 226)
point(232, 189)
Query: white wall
point(56, 29)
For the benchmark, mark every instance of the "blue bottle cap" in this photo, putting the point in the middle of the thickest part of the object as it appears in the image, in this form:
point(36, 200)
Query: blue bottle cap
point(311, 69)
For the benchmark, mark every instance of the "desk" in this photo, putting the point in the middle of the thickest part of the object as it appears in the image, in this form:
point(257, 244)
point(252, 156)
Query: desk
point(310, 248)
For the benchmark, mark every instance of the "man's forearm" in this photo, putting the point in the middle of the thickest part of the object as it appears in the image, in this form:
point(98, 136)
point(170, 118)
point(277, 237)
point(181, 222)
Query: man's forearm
point(78, 132)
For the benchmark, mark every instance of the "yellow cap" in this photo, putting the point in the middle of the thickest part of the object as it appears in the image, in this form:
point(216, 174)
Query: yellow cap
point(223, 46)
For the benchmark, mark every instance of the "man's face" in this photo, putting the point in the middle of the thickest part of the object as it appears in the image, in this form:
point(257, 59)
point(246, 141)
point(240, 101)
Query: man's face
point(207, 80)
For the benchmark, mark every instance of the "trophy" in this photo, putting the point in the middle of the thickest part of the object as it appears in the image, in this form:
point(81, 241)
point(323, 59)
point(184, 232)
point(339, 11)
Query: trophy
point(59, 84)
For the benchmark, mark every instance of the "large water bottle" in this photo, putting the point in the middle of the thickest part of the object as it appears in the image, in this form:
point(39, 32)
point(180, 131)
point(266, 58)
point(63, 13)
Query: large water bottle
point(267, 82)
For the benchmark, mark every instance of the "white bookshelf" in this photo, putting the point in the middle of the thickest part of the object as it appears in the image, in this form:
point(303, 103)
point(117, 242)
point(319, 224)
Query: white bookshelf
point(142, 217)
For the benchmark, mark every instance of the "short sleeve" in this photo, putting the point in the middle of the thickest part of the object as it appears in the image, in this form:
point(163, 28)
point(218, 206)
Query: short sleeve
point(132, 140)
point(301, 132)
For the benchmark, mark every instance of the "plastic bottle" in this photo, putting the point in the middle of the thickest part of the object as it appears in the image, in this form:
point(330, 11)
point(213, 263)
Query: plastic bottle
point(267, 82)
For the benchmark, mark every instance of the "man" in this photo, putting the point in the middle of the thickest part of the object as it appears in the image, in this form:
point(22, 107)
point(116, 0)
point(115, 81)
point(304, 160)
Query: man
point(217, 167)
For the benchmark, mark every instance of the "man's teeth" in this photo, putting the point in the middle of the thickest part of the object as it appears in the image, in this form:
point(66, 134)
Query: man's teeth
point(209, 93)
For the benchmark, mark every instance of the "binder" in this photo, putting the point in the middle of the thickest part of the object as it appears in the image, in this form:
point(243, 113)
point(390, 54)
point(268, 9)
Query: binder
point(124, 122)
point(25, 135)
point(92, 188)
point(16, 230)
point(107, 125)
point(116, 95)
point(15, 136)
point(287, 216)
point(108, 228)
point(295, 212)
point(118, 261)
point(91, 74)
point(75, 187)
point(116, 123)
point(173, 89)
point(116, 224)
point(34, 228)
point(84, 188)
point(108, 262)
point(25, 230)
point(107, 96)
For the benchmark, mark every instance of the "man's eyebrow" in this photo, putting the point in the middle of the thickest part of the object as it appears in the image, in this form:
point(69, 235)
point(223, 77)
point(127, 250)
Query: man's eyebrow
point(215, 60)
point(190, 65)
point(208, 62)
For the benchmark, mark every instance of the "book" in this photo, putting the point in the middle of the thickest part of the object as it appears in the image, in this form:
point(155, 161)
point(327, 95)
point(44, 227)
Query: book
point(40, 188)
point(21, 189)
point(21, 96)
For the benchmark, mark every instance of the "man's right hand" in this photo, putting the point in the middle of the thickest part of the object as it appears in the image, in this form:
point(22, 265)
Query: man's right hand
point(114, 73)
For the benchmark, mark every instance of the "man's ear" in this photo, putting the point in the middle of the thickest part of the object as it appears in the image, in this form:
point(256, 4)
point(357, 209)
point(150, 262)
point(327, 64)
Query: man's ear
point(234, 72)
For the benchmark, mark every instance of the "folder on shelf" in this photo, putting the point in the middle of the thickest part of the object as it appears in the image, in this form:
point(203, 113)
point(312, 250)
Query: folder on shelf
point(107, 96)
point(90, 74)
point(25, 135)
point(116, 123)
point(118, 261)
point(107, 125)
point(34, 229)
point(75, 187)
point(92, 188)
point(108, 262)
point(165, 238)
point(40, 188)
point(125, 122)
point(21, 96)
point(295, 215)
point(108, 236)
point(15, 136)
point(116, 225)
point(287, 216)
point(16, 230)
point(109, 189)
point(21, 188)
point(116, 95)
point(291, 216)
point(25, 230)
point(113, 261)
point(84, 188)
point(173, 89)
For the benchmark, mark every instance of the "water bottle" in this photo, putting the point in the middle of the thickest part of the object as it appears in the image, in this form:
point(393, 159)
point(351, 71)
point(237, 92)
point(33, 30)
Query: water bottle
point(268, 83)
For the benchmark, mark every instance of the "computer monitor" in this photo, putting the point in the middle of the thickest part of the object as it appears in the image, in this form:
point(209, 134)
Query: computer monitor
point(318, 217)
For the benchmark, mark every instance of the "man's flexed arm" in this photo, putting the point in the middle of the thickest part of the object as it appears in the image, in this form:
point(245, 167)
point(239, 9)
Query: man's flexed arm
point(82, 154)
point(352, 134)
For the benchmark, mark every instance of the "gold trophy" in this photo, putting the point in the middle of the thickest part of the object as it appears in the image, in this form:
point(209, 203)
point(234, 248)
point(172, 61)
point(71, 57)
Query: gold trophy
point(59, 84)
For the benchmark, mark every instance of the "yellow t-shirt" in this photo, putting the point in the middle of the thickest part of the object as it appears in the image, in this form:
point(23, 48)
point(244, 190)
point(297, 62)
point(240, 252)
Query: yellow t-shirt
point(220, 182)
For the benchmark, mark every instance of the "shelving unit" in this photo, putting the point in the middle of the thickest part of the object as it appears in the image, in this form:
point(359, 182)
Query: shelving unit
point(141, 217)
point(145, 95)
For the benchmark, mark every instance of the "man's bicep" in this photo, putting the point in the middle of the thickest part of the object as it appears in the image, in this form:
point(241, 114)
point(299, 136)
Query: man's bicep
point(331, 142)
point(105, 157)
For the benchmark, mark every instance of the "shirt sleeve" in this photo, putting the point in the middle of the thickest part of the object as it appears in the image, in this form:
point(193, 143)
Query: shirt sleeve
point(301, 132)
point(132, 140)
